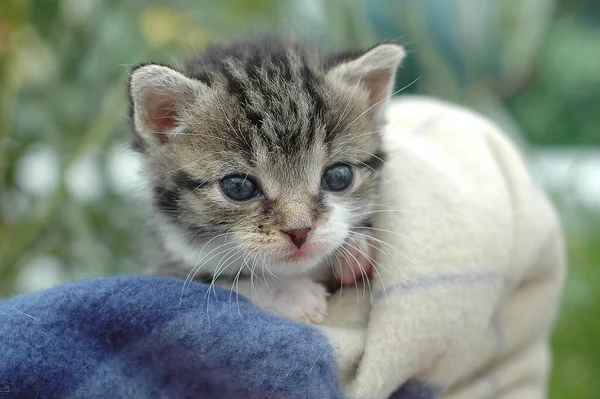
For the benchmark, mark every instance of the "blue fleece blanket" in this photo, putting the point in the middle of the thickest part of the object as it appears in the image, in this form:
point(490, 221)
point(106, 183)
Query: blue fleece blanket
point(137, 337)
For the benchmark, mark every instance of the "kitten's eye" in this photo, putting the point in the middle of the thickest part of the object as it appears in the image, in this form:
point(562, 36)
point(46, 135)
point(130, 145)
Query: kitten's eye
point(337, 178)
point(239, 188)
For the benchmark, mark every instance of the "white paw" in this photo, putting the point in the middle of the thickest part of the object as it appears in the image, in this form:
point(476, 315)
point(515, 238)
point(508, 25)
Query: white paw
point(303, 300)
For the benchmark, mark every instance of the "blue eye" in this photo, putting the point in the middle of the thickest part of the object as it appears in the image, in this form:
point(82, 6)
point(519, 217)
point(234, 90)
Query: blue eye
point(239, 188)
point(337, 178)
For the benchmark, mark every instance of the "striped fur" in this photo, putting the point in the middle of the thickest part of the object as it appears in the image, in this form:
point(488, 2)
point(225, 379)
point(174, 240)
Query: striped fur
point(278, 112)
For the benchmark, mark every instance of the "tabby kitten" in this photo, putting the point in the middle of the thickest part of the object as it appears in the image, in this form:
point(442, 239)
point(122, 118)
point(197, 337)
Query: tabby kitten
point(261, 160)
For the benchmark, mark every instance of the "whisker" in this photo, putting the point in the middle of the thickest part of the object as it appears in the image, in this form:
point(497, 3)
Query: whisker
point(380, 101)
point(373, 155)
point(252, 274)
point(368, 133)
point(384, 210)
point(190, 276)
point(330, 262)
point(343, 253)
point(231, 290)
point(374, 263)
point(198, 231)
point(263, 267)
point(370, 167)
point(386, 244)
point(338, 262)
point(214, 279)
point(363, 272)
point(367, 205)
point(267, 264)
point(236, 281)
point(399, 234)
point(359, 267)
point(386, 253)
point(219, 272)
point(217, 268)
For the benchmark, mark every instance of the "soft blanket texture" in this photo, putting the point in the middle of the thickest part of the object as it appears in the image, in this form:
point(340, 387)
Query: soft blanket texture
point(137, 337)
point(461, 303)
point(467, 297)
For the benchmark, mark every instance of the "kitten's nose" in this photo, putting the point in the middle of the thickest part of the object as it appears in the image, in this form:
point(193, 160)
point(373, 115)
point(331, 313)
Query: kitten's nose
point(298, 237)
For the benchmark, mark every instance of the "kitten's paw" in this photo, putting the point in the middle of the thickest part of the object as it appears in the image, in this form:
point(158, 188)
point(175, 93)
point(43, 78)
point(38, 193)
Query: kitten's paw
point(302, 300)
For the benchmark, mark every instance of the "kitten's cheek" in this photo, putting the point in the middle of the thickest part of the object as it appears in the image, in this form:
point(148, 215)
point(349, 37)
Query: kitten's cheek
point(355, 267)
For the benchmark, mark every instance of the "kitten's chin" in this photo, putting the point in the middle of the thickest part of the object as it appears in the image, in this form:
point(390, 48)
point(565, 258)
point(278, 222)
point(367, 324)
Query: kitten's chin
point(299, 261)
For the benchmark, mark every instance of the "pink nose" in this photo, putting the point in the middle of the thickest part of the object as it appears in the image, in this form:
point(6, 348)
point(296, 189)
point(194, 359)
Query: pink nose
point(298, 237)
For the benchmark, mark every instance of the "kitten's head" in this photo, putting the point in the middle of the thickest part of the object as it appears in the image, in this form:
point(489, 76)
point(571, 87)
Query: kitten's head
point(265, 143)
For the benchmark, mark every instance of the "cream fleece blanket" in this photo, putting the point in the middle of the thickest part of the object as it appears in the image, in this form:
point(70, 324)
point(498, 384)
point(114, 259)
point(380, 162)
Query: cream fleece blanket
point(463, 303)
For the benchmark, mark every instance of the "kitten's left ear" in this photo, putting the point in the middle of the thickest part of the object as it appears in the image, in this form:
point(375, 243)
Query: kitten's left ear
point(375, 70)
point(158, 95)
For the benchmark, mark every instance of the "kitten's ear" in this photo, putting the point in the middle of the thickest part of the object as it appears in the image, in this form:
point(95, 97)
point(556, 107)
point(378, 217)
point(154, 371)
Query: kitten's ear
point(375, 70)
point(157, 96)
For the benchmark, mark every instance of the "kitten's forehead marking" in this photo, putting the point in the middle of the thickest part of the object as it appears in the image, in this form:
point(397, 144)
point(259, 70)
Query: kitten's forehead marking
point(285, 174)
point(278, 89)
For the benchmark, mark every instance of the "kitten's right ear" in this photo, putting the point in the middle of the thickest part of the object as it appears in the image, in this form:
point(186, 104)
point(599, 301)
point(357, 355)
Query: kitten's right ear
point(376, 71)
point(157, 95)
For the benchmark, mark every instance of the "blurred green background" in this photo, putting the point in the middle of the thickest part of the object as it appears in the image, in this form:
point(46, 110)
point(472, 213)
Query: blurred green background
point(69, 192)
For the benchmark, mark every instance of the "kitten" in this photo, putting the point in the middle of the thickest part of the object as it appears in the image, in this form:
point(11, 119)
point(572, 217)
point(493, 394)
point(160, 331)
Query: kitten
point(261, 159)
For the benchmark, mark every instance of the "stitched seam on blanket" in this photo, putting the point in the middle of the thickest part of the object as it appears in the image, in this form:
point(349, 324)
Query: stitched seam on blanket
point(465, 278)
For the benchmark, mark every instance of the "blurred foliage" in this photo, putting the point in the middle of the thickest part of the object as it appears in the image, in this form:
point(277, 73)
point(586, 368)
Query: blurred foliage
point(533, 66)
point(576, 351)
